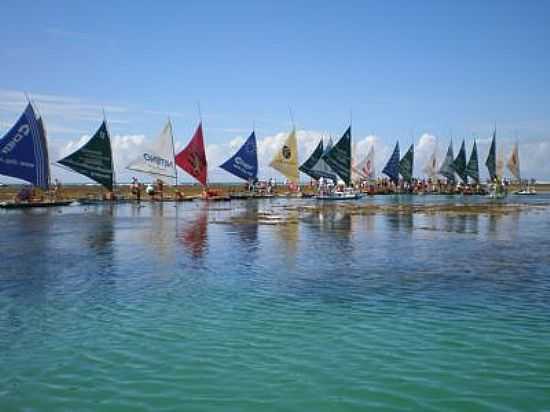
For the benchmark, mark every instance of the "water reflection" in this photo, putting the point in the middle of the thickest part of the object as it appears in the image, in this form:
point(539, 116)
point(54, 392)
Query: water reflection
point(162, 232)
point(248, 231)
point(193, 232)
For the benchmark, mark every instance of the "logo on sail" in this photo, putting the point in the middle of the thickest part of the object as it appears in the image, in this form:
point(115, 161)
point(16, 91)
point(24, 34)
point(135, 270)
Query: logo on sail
point(195, 162)
point(287, 153)
point(22, 132)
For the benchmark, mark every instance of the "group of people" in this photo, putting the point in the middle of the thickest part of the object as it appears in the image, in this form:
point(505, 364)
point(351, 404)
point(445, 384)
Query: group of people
point(154, 190)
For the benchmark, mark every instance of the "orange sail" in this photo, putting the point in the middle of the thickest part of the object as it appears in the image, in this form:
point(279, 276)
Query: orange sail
point(192, 159)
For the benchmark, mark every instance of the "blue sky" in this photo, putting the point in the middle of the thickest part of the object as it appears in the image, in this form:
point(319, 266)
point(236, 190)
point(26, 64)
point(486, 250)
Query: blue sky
point(404, 69)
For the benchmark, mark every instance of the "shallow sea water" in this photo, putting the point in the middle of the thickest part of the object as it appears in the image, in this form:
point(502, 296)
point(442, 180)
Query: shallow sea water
point(166, 307)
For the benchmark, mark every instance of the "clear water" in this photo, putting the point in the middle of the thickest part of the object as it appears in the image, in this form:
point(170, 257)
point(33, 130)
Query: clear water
point(172, 308)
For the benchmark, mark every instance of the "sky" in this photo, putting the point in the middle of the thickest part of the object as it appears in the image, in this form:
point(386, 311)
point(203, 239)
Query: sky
point(417, 72)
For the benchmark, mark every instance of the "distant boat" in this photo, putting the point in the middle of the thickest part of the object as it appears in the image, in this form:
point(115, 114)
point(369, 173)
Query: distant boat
point(513, 163)
point(24, 150)
point(446, 170)
point(158, 159)
point(244, 163)
point(95, 159)
point(472, 168)
point(24, 155)
point(339, 157)
point(321, 168)
point(307, 166)
point(192, 159)
point(491, 161)
point(430, 168)
point(364, 170)
point(285, 160)
point(406, 164)
point(459, 163)
point(392, 166)
point(527, 191)
point(339, 160)
point(347, 194)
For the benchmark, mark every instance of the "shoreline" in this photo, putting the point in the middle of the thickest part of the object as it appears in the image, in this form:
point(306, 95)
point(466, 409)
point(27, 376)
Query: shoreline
point(83, 191)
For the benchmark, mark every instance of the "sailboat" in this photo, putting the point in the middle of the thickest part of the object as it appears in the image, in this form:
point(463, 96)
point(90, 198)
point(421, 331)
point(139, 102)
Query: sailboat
point(459, 163)
point(364, 170)
point(158, 159)
point(472, 168)
point(406, 165)
point(285, 160)
point(491, 161)
point(392, 166)
point(192, 159)
point(430, 168)
point(308, 166)
point(95, 159)
point(339, 160)
point(244, 165)
point(513, 167)
point(446, 170)
point(24, 155)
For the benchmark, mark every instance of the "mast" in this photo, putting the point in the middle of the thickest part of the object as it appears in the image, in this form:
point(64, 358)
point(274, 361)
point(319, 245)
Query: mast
point(110, 148)
point(173, 150)
point(43, 127)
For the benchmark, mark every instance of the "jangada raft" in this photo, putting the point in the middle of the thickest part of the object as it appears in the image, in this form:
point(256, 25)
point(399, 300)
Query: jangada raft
point(24, 155)
point(339, 164)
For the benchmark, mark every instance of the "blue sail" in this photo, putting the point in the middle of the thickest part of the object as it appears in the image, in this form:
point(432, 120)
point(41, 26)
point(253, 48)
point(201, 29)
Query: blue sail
point(392, 167)
point(24, 152)
point(244, 163)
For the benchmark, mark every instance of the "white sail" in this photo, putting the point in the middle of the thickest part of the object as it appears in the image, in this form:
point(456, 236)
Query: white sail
point(513, 163)
point(158, 159)
point(431, 168)
point(364, 170)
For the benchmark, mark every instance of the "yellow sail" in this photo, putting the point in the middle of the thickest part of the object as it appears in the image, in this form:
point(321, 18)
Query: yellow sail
point(286, 159)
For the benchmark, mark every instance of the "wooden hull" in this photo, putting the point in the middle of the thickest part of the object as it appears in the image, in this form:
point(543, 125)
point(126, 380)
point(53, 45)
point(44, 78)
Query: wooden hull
point(34, 205)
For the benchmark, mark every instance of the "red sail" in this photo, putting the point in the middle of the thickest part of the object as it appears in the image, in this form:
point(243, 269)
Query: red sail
point(192, 159)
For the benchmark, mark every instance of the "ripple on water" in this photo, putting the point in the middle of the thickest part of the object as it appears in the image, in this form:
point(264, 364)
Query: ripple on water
point(156, 309)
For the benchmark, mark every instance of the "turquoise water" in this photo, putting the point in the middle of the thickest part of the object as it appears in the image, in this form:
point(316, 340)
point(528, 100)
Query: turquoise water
point(202, 308)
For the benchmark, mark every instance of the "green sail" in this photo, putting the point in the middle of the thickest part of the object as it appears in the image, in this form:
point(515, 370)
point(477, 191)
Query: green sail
point(446, 169)
point(459, 164)
point(339, 157)
point(491, 161)
point(307, 166)
point(406, 164)
point(472, 170)
point(94, 159)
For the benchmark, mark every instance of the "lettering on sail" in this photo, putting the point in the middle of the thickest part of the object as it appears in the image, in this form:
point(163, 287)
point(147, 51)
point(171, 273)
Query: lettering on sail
point(158, 161)
point(22, 132)
point(243, 166)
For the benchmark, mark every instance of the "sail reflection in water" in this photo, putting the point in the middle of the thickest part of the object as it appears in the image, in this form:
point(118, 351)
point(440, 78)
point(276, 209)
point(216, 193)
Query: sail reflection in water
point(193, 232)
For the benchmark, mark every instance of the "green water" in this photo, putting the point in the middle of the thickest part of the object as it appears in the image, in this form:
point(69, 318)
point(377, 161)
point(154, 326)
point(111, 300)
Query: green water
point(164, 308)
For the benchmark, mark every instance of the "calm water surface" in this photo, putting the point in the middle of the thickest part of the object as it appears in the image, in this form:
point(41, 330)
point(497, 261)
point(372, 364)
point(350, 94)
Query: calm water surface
point(173, 308)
